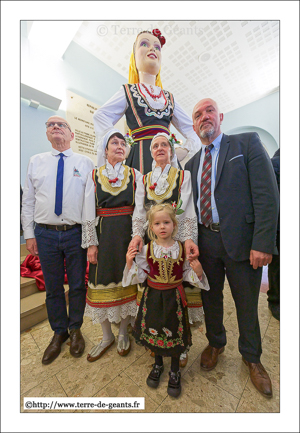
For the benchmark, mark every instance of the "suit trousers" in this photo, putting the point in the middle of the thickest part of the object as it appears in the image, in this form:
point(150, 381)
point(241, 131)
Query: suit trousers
point(60, 250)
point(244, 282)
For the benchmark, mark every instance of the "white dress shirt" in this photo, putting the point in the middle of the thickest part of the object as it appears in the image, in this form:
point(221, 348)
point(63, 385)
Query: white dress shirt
point(40, 188)
point(214, 165)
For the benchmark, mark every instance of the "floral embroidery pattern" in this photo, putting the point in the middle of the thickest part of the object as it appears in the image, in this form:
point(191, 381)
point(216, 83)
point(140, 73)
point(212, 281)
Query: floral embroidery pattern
point(150, 111)
point(167, 332)
point(162, 341)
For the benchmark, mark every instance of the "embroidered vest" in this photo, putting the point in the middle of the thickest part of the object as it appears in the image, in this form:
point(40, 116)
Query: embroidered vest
point(140, 113)
point(172, 194)
point(165, 271)
point(108, 196)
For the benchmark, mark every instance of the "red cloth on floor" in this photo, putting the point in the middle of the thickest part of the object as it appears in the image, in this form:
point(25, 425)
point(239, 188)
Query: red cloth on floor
point(31, 268)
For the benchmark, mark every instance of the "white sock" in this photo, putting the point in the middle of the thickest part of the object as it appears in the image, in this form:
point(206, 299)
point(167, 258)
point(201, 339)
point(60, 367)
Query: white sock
point(123, 325)
point(106, 329)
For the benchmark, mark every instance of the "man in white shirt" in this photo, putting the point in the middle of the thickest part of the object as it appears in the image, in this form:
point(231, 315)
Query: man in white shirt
point(51, 218)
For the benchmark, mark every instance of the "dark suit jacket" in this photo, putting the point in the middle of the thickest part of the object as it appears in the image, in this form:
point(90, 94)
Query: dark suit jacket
point(246, 195)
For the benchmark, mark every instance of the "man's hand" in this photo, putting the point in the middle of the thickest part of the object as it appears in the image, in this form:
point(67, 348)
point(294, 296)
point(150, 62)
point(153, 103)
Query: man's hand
point(191, 250)
point(259, 259)
point(31, 246)
point(137, 243)
point(92, 254)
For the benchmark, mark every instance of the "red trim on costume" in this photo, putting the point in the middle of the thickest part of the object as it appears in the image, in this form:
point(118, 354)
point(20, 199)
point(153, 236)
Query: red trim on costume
point(134, 178)
point(110, 303)
point(93, 177)
point(162, 286)
point(141, 158)
point(172, 100)
point(138, 84)
point(181, 180)
point(115, 211)
point(132, 105)
point(148, 132)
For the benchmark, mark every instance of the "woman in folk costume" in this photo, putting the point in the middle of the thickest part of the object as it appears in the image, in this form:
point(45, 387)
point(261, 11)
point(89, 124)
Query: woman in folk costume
point(148, 108)
point(111, 193)
point(167, 184)
point(162, 322)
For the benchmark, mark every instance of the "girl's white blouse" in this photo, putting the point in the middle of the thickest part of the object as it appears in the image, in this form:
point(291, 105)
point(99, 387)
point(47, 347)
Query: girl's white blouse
point(137, 273)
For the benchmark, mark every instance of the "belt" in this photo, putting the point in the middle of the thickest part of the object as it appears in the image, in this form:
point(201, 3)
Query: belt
point(115, 211)
point(60, 228)
point(214, 227)
point(148, 132)
point(159, 286)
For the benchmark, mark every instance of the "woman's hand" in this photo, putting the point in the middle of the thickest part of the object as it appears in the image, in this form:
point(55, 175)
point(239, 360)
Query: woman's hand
point(137, 242)
point(92, 254)
point(197, 267)
point(191, 250)
point(131, 253)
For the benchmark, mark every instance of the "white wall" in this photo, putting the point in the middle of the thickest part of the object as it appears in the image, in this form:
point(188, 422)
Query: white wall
point(78, 71)
point(261, 116)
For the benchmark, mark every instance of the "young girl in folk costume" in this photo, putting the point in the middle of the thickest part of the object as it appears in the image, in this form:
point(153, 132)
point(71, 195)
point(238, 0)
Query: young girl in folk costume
point(148, 108)
point(162, 322)
point(166, 183)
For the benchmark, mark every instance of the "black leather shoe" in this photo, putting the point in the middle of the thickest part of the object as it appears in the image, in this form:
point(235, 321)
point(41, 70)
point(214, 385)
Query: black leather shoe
point(154, 376)
point(54, 348)
point(174, 385)
point(77, 343)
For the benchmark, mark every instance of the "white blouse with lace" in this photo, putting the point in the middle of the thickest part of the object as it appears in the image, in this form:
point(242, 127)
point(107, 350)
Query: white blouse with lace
point(137, 273)
point(112, 111)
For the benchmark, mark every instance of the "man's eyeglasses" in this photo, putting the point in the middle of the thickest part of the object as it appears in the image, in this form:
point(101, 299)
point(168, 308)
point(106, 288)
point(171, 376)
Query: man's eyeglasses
point(59, 124)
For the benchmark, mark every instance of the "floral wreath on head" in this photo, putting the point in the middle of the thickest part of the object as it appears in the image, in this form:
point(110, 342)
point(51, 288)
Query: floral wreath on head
point(172, 140)
point(158, 35)
point(129, 140)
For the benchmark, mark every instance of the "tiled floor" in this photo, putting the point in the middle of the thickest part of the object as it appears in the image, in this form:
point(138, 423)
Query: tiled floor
point(225, 389)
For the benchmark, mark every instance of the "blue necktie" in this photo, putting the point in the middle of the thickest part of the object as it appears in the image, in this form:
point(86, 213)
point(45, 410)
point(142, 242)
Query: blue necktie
point(59, 185)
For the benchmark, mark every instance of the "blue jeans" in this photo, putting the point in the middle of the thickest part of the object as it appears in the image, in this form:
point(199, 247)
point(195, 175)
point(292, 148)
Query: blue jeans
point(54, 248)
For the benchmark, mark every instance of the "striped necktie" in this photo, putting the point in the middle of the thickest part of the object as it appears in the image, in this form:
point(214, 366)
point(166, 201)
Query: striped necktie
point(59, 185)
point(205, 188)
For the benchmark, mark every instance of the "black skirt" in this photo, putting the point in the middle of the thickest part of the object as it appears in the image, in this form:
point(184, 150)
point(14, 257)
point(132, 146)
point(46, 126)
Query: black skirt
point(162, 322)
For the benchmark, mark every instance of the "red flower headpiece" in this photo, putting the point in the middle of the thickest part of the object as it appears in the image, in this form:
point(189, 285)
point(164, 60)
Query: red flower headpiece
point(161, 38)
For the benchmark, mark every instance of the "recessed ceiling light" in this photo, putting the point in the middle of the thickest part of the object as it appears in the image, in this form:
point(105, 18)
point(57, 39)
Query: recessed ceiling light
point(204, 57)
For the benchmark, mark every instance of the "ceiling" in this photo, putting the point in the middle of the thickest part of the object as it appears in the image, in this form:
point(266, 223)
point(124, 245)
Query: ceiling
point(232, 62)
